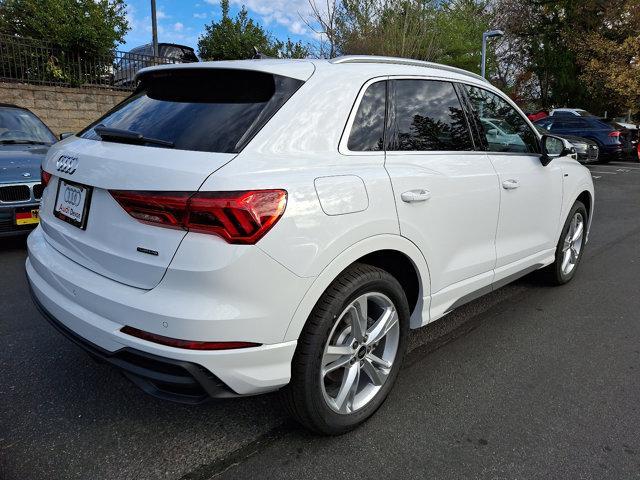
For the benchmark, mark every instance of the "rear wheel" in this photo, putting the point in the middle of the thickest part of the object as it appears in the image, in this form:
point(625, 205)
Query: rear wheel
point(570, 246)
point(349, 352)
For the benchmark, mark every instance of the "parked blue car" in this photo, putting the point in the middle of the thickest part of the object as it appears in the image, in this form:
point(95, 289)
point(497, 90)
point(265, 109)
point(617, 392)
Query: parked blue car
point(24, 141)
point(591, 127)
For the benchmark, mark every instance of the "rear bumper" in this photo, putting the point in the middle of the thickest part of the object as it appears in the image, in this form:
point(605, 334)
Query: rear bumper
point(92, 310)
point(174, 380)
point(611, 152)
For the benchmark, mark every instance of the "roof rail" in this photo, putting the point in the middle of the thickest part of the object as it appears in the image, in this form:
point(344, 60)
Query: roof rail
point(402, 61)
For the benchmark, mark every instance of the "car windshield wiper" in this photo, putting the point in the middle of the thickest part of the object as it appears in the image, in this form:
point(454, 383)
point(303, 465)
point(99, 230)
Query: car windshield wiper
point(22, 142)
point(109, 134)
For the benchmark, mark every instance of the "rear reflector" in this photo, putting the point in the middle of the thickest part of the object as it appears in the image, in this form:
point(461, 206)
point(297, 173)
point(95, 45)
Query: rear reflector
point(241, 217)
point(186, 344)
point(44, 177)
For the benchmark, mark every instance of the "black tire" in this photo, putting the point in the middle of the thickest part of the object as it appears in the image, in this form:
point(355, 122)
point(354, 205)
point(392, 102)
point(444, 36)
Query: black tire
point(554, 272)
point(303, 397)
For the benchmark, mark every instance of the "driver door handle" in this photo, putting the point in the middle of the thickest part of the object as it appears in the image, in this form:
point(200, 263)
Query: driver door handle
point(510, 184)
point(418, 195)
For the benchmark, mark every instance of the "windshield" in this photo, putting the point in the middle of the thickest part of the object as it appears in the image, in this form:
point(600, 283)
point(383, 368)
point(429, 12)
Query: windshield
point(207, 110)
point(22, 126)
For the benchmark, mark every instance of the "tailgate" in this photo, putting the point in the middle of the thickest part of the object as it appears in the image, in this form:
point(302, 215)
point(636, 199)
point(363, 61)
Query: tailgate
point(113, 243)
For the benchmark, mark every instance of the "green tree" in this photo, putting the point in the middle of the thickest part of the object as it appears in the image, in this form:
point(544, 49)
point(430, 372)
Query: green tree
point(559, 40)
point(238, 38)
point(83, 26)
point(404, 28)
point(459, 26)
point(290, 49)
point(446, 31)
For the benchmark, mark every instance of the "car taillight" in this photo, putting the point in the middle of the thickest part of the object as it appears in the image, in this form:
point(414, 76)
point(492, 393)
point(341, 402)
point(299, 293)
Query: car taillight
point(187, 344)
point(240, 217)
point(615, 133)
point(44, 177)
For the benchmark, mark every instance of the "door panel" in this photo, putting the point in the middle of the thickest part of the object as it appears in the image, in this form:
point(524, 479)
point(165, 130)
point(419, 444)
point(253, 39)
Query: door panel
point(446, 193)
point(530, 194)
point(456, 227)
point(529, 213)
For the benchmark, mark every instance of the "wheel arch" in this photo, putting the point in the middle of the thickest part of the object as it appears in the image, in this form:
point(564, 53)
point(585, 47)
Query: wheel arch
point(587, 200)
point(577, 186)
point(393, 253)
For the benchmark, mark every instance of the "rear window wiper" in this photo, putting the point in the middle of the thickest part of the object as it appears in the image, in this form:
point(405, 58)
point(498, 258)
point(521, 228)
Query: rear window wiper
point(127, 136)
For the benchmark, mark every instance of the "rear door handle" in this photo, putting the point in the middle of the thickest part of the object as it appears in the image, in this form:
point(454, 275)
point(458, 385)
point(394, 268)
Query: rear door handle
point(417, 195)
point(510, 184)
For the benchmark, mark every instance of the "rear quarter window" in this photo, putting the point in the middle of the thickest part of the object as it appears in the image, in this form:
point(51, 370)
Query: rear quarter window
point(367, 132)
point(208, 110)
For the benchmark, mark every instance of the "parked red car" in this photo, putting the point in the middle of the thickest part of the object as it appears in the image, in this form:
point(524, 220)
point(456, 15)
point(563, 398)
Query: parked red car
point(539, 115)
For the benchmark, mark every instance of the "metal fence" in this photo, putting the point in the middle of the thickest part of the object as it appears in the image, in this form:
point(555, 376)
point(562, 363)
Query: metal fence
point(28, 60)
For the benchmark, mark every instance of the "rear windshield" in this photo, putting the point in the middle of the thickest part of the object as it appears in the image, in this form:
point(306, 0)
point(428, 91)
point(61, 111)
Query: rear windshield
point(214, 110)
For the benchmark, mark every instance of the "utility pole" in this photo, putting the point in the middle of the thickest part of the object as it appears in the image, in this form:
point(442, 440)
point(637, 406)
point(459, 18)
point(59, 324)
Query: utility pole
point(485, 35)
point(154, 28)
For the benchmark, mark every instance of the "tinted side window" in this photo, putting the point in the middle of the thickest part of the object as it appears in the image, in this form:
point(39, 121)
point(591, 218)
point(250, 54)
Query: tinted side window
point(545, 123)
point(174, 53)
point(505, 129)
point(561, 124)
point(593, 123)
point(367, 132)
point(427, 115)
point(188, 55)
point(563, 114)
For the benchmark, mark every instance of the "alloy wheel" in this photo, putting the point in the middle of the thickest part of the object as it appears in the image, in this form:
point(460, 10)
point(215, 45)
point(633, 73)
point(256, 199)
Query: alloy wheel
point(360, 352)
point(572, 244)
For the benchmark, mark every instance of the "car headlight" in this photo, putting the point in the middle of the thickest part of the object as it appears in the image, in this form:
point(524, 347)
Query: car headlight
point(580, 147)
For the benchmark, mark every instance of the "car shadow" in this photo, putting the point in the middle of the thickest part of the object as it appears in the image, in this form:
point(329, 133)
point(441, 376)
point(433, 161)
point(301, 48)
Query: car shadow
point(18, 242)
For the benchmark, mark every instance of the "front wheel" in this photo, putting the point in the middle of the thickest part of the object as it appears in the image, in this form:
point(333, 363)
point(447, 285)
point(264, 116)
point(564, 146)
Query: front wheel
point(570, 246)
point(349, 352)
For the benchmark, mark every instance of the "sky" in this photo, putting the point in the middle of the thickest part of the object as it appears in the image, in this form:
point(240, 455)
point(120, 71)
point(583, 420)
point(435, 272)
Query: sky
point(181, 21)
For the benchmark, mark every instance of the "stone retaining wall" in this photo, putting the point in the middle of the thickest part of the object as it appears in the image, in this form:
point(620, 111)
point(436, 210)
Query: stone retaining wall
point(63, 109)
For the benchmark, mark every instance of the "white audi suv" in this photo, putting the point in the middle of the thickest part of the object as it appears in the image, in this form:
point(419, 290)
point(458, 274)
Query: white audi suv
point(234, 228)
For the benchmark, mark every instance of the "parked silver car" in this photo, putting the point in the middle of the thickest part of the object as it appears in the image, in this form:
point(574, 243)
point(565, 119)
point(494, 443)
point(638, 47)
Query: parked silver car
point(24, 141)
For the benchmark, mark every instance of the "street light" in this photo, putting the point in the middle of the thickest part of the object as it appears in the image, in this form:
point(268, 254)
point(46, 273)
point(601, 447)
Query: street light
point(485, 35)
point(154, 28)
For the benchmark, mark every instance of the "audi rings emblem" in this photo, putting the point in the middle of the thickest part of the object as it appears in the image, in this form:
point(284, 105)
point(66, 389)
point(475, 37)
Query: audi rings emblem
point(72, 196)
point(67, 164)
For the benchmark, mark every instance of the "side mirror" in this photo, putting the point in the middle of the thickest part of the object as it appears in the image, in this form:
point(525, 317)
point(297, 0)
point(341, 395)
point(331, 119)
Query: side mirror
point(65, 135)
point(554, 147)
point(492, 132)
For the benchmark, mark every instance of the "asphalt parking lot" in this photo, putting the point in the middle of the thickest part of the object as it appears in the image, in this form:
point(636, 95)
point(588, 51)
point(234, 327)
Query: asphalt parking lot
point(527, 382)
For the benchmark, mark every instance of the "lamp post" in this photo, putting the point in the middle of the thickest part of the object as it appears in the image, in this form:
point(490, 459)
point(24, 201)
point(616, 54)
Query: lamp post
point(154, 28)
point(485, 35)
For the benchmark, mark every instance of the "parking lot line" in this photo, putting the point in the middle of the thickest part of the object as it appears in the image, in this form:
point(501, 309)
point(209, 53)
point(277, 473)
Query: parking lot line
point(624, 164)
point(606, 173)
point(620, 165)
